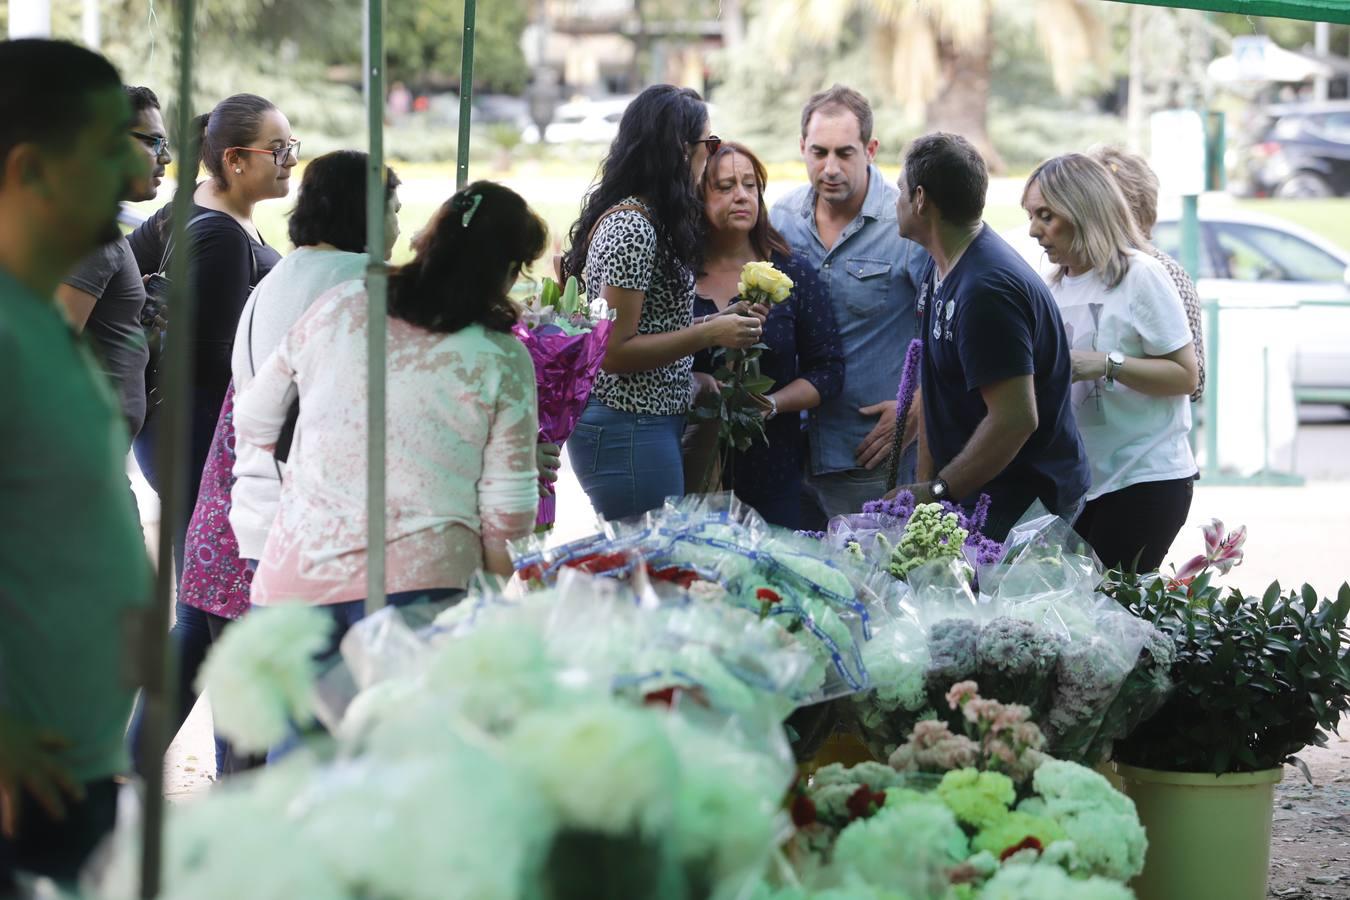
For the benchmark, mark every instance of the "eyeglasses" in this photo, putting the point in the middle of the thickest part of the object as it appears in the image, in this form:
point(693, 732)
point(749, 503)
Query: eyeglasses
point(278, 155)
point(713, 141)
point(159, 146)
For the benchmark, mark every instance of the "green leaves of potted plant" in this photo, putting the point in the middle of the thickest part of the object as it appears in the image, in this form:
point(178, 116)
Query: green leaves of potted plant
point(1257, 680)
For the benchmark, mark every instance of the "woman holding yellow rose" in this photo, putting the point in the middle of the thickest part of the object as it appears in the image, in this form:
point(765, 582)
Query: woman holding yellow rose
point(802, 354)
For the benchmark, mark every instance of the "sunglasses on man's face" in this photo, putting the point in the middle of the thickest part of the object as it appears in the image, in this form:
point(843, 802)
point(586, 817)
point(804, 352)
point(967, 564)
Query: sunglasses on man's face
point(279, 154)
point(713, 141)
point(159, 146)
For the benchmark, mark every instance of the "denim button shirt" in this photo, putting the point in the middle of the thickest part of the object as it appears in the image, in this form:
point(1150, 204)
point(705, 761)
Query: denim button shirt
point(871, 275)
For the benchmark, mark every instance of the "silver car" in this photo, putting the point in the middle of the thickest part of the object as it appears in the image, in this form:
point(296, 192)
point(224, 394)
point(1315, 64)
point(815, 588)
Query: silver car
point(1253, 259)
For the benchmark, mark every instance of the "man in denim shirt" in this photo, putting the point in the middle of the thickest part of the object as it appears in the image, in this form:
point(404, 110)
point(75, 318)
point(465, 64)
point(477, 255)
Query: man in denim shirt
point(844, 223)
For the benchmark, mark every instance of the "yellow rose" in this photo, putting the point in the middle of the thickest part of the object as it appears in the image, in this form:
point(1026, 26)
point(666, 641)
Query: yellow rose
point(761, 282)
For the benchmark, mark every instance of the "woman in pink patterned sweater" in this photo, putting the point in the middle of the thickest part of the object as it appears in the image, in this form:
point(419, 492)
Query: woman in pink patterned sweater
point(462, 479)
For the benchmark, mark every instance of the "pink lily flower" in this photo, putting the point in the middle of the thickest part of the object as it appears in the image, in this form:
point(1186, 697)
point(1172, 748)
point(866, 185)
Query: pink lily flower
point(1223, 551)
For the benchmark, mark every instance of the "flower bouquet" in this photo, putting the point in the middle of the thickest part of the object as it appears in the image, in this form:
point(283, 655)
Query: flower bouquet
point(738, 404)
point(1039, 636)
point(965, 814)
point(901, 536)
point(567, 341)
point(502, 735)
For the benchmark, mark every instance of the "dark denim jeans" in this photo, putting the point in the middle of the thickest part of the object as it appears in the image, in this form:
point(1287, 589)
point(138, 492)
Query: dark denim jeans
point(193, 633)
point(58, 850)
point(627, 463)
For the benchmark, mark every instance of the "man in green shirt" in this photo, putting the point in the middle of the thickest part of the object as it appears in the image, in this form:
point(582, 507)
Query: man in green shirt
point(74, 575)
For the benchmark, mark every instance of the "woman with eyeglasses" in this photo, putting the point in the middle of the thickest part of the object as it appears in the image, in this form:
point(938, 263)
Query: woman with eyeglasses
point(248, 150)
point(637, 245)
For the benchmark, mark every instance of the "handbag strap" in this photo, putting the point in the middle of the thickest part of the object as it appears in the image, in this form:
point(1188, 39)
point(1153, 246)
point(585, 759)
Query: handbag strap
point(209, 214)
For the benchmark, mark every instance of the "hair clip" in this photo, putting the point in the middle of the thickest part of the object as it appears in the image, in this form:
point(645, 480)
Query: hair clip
point(468, 204)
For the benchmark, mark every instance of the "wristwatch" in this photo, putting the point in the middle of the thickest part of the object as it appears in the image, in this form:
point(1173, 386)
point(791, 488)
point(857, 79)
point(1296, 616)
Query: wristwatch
point(773, 407)
point(938, 489)
point(1115, 361)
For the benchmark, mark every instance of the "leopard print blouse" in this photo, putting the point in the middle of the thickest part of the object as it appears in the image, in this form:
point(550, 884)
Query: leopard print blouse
point(626, 252)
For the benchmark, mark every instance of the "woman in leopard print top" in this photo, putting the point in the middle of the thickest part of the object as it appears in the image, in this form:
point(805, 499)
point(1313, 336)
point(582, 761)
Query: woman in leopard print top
point(636, 244)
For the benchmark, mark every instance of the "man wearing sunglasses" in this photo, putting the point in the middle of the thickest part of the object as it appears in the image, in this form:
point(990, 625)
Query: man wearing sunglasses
point(104, 294)
point(844, 223)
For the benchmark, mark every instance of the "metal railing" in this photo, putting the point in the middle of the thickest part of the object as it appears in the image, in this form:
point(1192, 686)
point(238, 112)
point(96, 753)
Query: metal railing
point(1212, 471)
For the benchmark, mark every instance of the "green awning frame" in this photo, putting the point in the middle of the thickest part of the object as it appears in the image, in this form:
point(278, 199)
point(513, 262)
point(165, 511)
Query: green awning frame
point(173, 447)
point(1337, 11)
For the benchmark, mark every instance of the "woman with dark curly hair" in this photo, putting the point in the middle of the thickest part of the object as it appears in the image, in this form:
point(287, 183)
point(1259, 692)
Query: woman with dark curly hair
point(637, 245)
point(461, 420)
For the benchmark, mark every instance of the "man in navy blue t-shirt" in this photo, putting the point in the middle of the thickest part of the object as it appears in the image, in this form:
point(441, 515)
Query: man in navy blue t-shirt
point(996, 366)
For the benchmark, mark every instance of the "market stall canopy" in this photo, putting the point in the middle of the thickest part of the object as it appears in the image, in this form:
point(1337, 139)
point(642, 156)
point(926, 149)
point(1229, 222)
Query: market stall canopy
point(1313, 10)
point(1257, 58)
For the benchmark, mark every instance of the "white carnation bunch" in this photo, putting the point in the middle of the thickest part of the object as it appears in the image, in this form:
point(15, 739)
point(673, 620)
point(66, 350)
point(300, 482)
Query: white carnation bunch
point(604, 766)
point(261, 674)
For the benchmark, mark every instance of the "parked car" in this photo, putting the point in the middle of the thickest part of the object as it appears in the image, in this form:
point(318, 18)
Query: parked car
point(582, 122)
point(1297, 150)
point(1254, 259)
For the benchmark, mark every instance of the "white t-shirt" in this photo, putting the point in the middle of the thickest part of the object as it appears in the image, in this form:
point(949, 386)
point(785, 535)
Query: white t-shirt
point(275, 305)
point(1130, 437)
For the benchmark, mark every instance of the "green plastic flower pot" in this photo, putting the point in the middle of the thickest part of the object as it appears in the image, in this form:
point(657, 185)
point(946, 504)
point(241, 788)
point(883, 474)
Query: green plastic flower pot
point(1208, 835)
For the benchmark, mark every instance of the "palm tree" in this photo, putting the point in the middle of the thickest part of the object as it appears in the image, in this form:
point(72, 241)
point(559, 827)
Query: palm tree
point(936, 54)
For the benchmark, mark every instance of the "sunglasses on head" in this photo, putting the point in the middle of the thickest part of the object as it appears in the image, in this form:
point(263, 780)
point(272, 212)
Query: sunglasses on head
point(713, 141)
point(278, 154)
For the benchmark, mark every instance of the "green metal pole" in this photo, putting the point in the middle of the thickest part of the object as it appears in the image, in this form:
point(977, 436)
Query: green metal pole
point(1190, 235)
point(465, 95)
point(1212, 389)
point(377, 284)
point(171, 450)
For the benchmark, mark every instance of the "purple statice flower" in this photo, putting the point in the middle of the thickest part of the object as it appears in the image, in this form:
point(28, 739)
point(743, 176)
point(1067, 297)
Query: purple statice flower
point(901, 506)
point(909, 380)
point(813, 535)
point(983, 551)
point(904, 399)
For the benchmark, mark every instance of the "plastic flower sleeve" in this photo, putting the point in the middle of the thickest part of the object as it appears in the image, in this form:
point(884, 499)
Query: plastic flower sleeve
point(1145, 688)
point(1089, 674)
point(897, 661)
point(1040, 538)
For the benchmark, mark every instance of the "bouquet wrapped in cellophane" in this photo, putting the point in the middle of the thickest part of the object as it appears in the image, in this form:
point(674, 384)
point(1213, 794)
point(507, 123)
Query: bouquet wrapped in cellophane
point(566, 336)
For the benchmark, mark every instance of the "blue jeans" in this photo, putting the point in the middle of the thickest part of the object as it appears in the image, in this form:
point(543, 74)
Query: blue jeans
point(344, 616)
point(840, 494)
point(193, 633)
point(627, 463)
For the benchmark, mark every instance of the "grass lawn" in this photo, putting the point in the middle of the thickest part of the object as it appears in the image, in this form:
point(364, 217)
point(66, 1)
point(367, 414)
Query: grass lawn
point(554, 187)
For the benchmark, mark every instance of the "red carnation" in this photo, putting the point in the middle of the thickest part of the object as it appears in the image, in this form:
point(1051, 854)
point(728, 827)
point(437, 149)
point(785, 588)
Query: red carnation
point(865, 802)
point(803, 811)
point(768, 596)
point(675, 575)
point(1030, 842)
point(596, 563)
point(667, 696)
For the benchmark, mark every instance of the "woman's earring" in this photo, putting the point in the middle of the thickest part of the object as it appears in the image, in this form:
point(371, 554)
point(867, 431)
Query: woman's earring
point(238, 171)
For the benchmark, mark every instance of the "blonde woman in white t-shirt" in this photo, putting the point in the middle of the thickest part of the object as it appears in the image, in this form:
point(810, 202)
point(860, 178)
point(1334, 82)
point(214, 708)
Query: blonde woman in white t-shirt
point(1134, 363)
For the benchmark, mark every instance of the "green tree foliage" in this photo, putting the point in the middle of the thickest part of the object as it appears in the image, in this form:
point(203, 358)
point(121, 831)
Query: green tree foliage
point(424, 40)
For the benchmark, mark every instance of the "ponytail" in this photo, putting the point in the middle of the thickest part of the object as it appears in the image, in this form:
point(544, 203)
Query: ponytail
point(235, 121)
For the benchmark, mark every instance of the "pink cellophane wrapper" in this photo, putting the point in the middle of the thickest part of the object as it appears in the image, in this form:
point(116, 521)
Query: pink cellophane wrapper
point(565, 366)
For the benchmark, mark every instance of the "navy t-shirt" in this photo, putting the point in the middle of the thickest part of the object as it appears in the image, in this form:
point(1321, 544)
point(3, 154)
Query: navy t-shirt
point(993, 319)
